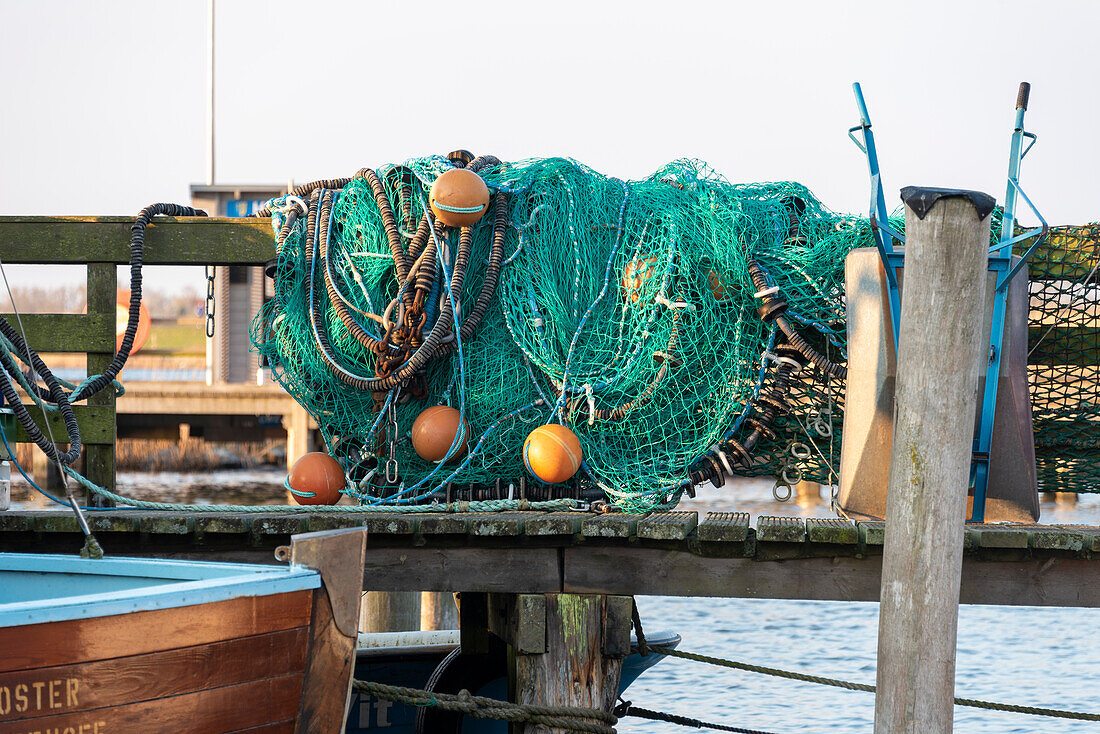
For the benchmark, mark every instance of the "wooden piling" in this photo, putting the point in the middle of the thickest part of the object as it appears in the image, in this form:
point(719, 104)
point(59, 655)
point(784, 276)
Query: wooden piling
point(939, 354)
point(567, 650)
point(390, 611)
point(438, 611)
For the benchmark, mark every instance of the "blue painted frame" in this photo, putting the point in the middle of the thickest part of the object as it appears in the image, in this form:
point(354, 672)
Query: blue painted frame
point(185, 583)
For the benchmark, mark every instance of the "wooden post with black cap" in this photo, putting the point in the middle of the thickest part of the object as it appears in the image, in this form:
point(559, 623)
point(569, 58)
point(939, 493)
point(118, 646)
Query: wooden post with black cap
point(939, 354)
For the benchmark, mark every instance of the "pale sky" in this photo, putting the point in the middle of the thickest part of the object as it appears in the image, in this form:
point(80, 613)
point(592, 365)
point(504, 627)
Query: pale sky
point(103, 104)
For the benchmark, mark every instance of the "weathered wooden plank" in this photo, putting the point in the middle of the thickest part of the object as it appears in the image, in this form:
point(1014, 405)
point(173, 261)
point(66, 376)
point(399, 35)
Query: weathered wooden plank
point(11, 522)
point(511, 570)
point(268, 525)
point(50, 644)
point(872, 532)
point(67, 332)
point(73, 688)
point(610, 526)
point(1070, 582)
point(167, 525)
point(530, 625)
point(443, 524)
point(1057, 538)
point(617, 619)
point(999, 537)
point(389, 524)
point(554, 523)
point(168, 240)
point(832, 530)
point(504, 524)
point(223, 524)
point(97, 424)
point(780, 529)
point(101, 523)
point(55, 524)
point(724, 527)
point(315, 523)
point(668, 525)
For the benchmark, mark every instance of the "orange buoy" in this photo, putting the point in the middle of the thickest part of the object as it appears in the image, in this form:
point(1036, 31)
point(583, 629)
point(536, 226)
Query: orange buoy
point(459, 197)
point(552, 453)
point(434, 431)
point(717, 286)
point(635, 275)
point(316, 479)
point(122, 318)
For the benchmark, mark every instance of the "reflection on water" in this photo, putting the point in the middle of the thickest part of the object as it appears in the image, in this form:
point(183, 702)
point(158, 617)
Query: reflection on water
point(1037, 656)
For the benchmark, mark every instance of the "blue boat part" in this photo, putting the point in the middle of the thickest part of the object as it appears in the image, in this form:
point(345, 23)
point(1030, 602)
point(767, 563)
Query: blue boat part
point(37, 588)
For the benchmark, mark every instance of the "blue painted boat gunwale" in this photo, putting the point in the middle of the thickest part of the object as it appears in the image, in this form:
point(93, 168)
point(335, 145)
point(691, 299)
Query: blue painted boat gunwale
point(186, 583)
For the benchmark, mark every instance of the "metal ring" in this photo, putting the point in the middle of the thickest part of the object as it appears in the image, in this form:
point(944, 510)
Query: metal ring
point(775, 492)
point(787, 479)
point(823, 428)
point(799, 451)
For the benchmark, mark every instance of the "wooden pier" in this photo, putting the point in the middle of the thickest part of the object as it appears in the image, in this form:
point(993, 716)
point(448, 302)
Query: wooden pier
point(545, 583)
point(664, 554)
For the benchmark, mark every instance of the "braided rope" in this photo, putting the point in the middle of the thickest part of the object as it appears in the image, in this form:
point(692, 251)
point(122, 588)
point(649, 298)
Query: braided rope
point(570, 718)
point(450, 507)
point(973, 703)
point(629, 709)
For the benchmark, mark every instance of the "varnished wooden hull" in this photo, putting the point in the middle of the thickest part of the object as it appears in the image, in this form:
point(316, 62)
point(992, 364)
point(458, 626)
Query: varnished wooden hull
point(222, 667)
point(266, 662)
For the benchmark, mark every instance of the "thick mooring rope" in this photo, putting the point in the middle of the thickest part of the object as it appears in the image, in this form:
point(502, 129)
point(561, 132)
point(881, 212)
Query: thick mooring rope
point(848, 685)
point(569, 718)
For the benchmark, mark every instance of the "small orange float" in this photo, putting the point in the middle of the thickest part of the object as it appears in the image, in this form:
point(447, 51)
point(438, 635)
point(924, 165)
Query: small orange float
point(459, 197)
point(434, 431)
point(635, 275)
point(316, 479)
point(552, 453)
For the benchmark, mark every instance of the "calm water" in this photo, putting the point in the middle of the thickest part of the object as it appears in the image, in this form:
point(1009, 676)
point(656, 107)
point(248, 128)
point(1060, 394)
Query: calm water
point(1026, 655)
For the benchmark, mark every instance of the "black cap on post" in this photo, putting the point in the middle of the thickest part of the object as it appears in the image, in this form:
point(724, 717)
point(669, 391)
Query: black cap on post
point(921, 199)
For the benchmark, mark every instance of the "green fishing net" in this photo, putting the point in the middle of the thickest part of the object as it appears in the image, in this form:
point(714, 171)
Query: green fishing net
point(624, 310)
point(1064, 358)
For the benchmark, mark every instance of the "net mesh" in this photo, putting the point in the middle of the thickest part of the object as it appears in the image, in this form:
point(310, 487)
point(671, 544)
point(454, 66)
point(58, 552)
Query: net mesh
point(1064, 358)
point(626, 310)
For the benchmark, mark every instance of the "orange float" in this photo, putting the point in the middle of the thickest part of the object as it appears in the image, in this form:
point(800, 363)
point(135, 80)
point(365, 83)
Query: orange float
point(316, 479)
point(459, 197)
point(552, 453)
point(122, 317)
point(434, 431)
point(717, 286)
point(635, 275)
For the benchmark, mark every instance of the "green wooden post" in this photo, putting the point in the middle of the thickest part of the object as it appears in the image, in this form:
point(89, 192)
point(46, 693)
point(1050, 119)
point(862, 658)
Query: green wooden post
point(100, 457)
